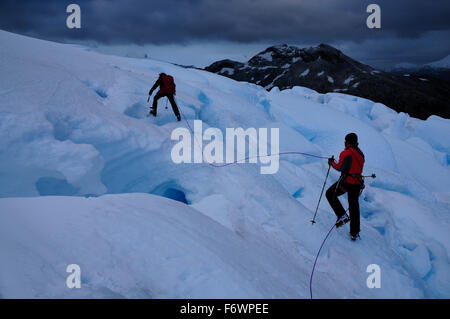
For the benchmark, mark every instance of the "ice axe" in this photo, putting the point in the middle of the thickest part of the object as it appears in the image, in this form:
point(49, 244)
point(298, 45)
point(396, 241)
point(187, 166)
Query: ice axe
point(313, 221)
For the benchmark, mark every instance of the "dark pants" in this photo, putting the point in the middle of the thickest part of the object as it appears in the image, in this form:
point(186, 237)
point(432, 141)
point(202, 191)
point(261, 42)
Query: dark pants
point(171, 100)
point(353, 190)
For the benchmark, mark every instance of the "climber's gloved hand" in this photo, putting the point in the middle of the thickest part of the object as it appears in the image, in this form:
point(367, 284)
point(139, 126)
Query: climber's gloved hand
point(331, 160)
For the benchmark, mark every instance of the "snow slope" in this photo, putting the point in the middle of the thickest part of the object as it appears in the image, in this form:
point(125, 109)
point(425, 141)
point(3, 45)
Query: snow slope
point(73, 124)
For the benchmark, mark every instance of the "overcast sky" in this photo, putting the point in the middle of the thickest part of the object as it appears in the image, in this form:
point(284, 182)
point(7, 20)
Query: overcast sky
point(199, 32)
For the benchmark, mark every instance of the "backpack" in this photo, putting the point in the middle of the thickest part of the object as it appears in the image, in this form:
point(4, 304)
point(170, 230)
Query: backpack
point(168, 84)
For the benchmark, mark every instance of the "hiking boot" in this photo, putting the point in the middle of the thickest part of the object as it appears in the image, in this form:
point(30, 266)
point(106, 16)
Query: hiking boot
point(178, 118)
point(354, 237)
point(152, 112)
point(341, 221)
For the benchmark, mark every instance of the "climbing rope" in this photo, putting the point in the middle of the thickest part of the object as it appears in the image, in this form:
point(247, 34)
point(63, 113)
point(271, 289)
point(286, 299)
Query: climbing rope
point(249, 157)
point(315, 261)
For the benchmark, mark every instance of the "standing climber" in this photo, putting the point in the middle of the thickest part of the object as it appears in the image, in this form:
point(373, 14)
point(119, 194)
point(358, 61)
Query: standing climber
point(351, 164)
point(166, 88)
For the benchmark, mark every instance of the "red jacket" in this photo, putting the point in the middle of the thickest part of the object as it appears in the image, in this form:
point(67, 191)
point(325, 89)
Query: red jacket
point(351, 163)
point(166, 85)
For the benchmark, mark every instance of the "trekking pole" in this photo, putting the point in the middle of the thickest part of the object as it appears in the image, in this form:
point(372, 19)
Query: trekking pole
point(313, 221)
point(167, 100)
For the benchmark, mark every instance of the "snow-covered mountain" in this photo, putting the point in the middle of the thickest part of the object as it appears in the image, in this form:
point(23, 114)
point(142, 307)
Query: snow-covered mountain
point(438, 69)
point(73, 125)
point(325, 69)
point(442, 63)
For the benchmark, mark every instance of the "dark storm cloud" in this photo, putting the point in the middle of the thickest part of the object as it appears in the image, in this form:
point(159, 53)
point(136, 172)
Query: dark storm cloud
point(412, 30)
point(174, 21)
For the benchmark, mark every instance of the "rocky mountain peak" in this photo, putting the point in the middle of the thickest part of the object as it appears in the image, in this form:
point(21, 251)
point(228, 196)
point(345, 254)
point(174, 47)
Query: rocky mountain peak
point(326, 69)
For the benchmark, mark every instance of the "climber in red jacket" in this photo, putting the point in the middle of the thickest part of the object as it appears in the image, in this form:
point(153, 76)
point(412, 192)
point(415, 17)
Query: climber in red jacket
point(166, 88)
point(351, 164)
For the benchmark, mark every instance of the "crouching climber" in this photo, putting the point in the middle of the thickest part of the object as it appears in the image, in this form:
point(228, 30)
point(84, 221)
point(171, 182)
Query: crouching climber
point(351, 164)
point(166, 86)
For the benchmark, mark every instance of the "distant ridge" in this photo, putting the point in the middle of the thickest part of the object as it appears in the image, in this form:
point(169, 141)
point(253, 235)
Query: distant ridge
point(326, 69)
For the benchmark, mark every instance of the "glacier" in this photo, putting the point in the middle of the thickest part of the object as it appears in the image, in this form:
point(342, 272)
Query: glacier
point(86, 178)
